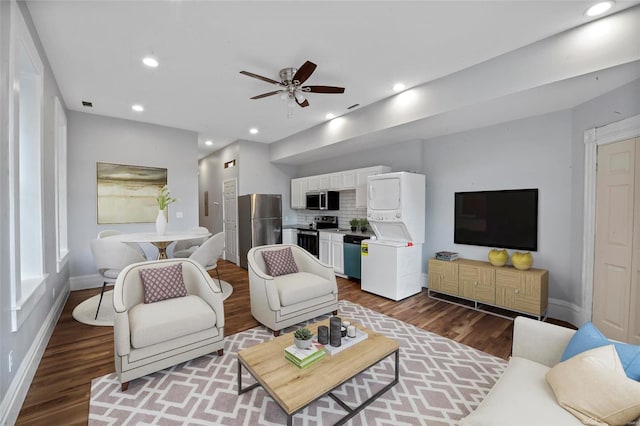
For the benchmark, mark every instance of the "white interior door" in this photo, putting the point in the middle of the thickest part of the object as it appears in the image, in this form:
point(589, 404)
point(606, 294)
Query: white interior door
point(615, 188)
point(634, 299)
point(230, 219)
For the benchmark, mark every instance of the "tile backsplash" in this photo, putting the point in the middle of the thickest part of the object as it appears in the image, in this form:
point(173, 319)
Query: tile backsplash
point(347, 211)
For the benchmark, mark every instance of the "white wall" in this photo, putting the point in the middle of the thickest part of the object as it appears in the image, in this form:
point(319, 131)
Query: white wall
point(529, 153)
point(94, 138)
point(29, 341)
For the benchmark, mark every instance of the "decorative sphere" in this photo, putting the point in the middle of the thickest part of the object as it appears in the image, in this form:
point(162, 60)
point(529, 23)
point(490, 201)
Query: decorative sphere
point(522, 261)
point(498, 257)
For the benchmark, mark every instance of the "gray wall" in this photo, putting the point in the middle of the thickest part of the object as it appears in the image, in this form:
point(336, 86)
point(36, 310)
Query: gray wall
point(94, 138)
point(211, 175)
point(529, 153)
point(24, 342)
point(259, 176)
point(545, 152)
point(406, 156)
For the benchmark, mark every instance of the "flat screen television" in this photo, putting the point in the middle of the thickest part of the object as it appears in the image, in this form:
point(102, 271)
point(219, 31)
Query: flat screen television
point(504, 219)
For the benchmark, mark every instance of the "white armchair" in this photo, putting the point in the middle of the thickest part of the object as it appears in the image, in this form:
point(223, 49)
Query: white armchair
point(279, 302)
point(152, 336)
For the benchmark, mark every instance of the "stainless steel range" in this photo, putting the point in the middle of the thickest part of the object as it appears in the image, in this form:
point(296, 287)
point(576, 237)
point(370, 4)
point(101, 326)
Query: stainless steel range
point(308, 236)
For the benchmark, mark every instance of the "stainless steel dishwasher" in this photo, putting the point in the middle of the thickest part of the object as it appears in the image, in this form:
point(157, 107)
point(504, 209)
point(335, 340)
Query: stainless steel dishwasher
point(352, 256)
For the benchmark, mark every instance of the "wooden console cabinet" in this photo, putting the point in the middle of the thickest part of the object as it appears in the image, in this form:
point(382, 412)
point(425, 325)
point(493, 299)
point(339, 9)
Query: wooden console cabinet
point(485, 285)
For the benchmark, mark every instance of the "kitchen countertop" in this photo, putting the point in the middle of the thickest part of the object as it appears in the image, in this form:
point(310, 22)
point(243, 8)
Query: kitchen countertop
point(368, 233)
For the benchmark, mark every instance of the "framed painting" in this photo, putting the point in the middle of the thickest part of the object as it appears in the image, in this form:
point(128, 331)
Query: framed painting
point(127, 194)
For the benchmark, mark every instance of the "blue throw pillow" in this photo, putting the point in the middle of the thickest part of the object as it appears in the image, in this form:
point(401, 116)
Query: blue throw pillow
point(588, 337)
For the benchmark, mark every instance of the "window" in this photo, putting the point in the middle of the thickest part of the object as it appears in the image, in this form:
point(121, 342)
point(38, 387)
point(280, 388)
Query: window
point(25, 176)
point(62, 244)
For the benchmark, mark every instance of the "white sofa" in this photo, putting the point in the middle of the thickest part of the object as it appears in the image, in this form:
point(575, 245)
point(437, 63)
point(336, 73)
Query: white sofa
point(280, 302)
point(522, 396)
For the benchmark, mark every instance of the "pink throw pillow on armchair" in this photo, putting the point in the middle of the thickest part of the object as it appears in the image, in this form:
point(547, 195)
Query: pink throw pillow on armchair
point(162, 283)
point(280, 262)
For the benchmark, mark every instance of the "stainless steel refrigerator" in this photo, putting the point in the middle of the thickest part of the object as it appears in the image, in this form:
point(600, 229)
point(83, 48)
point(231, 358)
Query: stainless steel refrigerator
point(259, 222)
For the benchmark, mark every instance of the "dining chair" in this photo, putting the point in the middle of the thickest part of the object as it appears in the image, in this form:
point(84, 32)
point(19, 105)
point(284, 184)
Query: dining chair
point(108, 233)
point(111, 257)
point(209, 252)
point(185, 248)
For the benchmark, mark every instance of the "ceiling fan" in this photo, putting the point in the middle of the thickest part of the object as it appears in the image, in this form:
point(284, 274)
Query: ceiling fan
point(290, 87)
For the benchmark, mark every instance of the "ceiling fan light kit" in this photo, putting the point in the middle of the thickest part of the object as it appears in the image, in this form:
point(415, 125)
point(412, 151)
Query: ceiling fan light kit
point(290, 85)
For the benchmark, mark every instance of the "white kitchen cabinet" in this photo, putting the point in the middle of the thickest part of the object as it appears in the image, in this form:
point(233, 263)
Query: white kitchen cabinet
point(349, 179)
point(342, 180)
point(312, 183)
point(331, 250)
point(323, 182)
point(337, 253)
point(324, 247)
point(335, 181)
point(361, 183)
point(299, 188)
point(289, 236)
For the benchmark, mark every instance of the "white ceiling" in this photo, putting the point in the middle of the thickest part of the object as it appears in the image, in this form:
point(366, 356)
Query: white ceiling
point(95, 50)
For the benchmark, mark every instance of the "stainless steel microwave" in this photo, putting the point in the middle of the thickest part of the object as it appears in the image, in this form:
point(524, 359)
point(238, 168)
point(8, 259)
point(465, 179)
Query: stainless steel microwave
point(323, 200)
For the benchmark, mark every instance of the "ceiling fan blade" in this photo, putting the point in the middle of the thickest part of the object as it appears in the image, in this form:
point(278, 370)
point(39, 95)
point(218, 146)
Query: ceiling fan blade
point(264, 95)
point(323, 89)
point(259, 77)
point(304, 72)
point(303, 104)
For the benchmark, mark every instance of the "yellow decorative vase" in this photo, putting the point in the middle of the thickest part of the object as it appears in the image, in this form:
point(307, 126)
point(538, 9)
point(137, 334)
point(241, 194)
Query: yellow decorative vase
point(498, 257)
point(522, 261)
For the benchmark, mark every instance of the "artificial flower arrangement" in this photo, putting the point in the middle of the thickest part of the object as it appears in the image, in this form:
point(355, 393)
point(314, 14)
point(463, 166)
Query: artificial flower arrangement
point(164, 198)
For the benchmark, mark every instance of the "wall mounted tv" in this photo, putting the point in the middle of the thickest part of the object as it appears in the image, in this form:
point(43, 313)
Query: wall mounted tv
point(504, 219)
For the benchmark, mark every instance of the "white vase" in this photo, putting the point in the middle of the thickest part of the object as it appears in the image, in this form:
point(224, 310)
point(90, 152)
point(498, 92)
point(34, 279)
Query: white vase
point(161, 223)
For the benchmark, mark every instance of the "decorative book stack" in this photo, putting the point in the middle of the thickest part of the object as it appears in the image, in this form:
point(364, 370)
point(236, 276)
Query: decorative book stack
point(446, 255)
point(302, 358)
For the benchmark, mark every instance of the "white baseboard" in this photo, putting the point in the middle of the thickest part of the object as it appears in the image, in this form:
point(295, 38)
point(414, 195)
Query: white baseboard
point(13, 400)
point(566, 311)
point(84, 282)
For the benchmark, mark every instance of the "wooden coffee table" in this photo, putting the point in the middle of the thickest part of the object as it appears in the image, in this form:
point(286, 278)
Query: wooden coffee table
point(293, 388)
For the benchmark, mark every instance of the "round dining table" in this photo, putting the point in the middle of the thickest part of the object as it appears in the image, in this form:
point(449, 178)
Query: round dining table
point(160, 241)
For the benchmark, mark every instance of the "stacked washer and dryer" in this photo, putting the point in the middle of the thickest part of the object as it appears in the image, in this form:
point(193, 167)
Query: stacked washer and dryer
point(392, 262)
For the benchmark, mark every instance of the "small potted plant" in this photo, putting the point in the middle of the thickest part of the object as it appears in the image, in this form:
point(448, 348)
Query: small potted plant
point(302, 338)
point(363, 224)
point(354, 224)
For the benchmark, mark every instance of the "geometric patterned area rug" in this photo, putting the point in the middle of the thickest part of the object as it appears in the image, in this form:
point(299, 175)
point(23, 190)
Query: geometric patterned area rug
point(441, 381)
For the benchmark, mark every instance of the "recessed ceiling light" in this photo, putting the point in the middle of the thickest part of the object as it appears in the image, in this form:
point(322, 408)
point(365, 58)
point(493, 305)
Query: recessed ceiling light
point(253, 130)
point(137, 108)
point(599, 8)
point(329, 116)
point(398, 87)
point(208, 143)
point(150, 61)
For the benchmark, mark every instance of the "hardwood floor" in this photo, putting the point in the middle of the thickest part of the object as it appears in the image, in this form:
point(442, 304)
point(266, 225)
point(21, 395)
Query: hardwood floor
point(76, 352)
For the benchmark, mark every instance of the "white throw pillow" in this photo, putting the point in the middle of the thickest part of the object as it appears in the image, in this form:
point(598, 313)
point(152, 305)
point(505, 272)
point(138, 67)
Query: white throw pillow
point(594, 387)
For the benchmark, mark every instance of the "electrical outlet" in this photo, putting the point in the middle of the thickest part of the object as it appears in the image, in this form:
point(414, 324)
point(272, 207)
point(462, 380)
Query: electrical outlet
point(179, 215)
point(10, 361)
